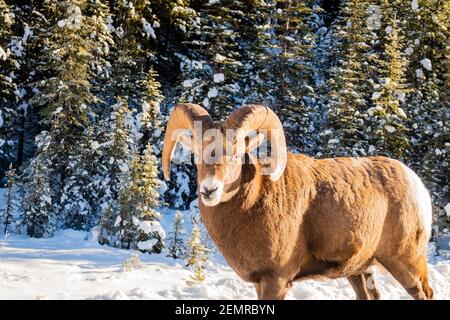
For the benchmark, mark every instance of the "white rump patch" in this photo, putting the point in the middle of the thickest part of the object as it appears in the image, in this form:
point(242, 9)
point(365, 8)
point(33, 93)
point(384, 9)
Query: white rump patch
point(421, 197)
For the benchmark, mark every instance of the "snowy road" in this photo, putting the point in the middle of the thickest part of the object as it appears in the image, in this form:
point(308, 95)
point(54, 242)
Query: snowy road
point(70, 267)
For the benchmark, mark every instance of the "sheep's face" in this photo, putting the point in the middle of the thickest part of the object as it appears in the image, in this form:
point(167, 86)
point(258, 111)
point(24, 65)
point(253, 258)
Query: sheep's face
point(218, 181)
point(221, 162)
point(219, 174)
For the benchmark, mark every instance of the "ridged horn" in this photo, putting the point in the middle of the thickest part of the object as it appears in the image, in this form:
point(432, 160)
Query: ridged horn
point(258, 117)
point(182, 118)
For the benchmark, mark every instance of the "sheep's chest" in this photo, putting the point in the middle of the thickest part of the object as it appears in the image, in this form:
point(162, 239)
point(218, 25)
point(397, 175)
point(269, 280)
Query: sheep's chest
point(249, 244)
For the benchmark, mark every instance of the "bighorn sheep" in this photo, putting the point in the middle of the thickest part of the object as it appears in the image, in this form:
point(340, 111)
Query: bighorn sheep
point(309, 218)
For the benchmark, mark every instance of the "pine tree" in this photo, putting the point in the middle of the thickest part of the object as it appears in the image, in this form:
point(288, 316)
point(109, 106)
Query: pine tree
point(130, 198)
point(65, 95)
point(280, 72)
point(7, 85)
point(27, 44)
point(174, 19)
point(9, 117)
point(352, 78)
point(107, 228)
point(197, 255)
point(149, 117)
point(37, 219)
point(212, 75)
point(133, 78)
point(10, 208)
point(138, 225)
point(428, 51)
point(116, 149)
point(83, 187)
point(387, 122)
point(99, 17)
point(175, 241)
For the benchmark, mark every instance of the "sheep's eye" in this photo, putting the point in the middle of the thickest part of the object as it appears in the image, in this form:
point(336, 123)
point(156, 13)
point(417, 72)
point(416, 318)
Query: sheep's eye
point(235, 158)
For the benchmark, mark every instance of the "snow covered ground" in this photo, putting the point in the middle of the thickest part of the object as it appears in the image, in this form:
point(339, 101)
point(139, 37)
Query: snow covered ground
point(73, 266)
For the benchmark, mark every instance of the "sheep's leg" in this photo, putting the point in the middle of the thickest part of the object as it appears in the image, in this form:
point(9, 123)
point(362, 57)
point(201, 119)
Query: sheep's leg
point(358, 283)
point(371, 286)
point(258, 290)
point(272, 289)
point(412, 275)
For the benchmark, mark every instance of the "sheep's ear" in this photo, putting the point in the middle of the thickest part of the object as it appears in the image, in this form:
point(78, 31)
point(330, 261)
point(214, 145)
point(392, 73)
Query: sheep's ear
point(186, 142)
point(251, 143)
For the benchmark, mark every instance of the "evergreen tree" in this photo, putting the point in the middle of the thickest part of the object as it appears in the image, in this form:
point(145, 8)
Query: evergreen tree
point(83, 189)
point(174, 19)
point(387, 122)
point(133, 79)
point(9, 117)
point(107, 229)
point(196, 256)
point(99, 17)
point(138, 225)
point(280, 72)
point(37, 219)
point(351, 80)
point(212, 74)
point(149, 117)
point(64, 97)
point(175, 241)
point(11, 181)
point(116, 149)
point(7, 67)
point(28, 42)
point(133, 76)
point(130, 198)
point(428, 51)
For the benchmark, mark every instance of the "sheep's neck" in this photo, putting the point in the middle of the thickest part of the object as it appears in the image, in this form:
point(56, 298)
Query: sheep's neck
point(245, 192)
point(240, 199)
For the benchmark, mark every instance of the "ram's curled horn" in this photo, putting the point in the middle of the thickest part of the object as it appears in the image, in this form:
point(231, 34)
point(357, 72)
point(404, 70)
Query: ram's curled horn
point(255, 118)
point(182, 118)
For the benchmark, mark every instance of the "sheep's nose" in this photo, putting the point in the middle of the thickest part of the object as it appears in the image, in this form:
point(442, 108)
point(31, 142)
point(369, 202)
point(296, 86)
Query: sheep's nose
point(207, 192)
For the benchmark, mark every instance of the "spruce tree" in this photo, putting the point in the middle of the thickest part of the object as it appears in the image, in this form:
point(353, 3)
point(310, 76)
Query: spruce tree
point(176, 247)
point(107, 229)
point(133, 79)
point(138, 225)
point(428, 51)
point(280, 70)
point(174, 19)
point(9, 116)
point(196, 256)
point(7, 66)
point(99, 17)
point(37, 219)
point(117, 147)
point(351, 81)
point(84, 187)
point(10, 203)
point(212, 74)
point(64, 97)
point(388, 120)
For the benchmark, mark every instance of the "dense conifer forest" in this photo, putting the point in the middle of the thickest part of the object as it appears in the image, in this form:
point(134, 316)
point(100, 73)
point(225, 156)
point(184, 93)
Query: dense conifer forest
point(86, 87)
